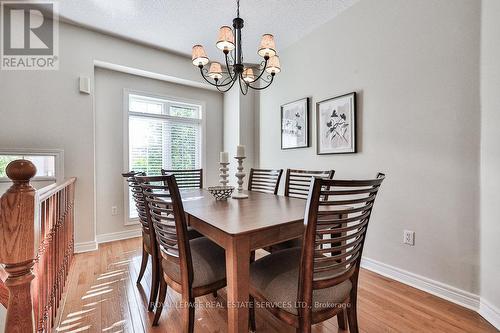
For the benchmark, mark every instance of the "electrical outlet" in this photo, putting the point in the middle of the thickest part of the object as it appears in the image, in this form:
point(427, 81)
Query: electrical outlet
point(409, 237)
point(114, 210)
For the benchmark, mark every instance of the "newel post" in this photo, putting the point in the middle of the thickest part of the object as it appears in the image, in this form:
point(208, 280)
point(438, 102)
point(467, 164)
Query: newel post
point(17, 244)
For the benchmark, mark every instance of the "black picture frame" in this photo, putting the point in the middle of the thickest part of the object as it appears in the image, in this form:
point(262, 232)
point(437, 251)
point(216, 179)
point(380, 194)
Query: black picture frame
point(306, 101)
point(352, 123)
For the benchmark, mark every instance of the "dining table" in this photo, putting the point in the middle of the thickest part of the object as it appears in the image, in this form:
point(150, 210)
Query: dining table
point(241, 226)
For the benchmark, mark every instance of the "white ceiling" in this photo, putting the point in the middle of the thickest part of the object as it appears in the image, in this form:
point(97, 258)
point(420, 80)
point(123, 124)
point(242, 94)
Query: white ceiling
point(177, 25)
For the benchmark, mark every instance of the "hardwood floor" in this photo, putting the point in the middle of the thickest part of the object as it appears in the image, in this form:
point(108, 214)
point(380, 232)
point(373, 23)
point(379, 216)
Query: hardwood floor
point(102, 296)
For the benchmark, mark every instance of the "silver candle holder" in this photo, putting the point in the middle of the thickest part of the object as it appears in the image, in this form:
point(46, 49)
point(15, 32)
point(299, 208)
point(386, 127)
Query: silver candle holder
point(223, 174)
point(240, 175)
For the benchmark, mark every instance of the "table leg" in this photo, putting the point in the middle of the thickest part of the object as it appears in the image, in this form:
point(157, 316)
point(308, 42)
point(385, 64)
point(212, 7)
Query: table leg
point(238, 274)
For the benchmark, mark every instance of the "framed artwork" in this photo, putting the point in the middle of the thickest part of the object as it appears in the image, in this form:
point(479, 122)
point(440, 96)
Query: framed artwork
point(295, 124)
point(336, 125)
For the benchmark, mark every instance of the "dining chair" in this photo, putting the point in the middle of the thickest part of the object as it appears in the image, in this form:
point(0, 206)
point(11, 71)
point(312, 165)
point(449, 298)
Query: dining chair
point(136, 191)
point(264, 180)
point(319, 282)
point(297, 185)
point(192, 178)
point(298, 182)
point(148, 236)
point(191, 267)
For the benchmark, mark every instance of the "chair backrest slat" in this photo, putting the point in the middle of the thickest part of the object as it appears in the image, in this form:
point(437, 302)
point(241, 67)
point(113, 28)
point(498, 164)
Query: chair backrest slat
point(264, 180)
point(339, 211)
point(298, 182)
point(140, 204)
point(166, 213)
point(192, 178)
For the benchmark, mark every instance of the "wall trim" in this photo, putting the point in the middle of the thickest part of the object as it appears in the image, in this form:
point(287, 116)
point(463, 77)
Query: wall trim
point(152, 75)
point(85, 247)
point(439, 289)
point(490, 312)
point(120, 235)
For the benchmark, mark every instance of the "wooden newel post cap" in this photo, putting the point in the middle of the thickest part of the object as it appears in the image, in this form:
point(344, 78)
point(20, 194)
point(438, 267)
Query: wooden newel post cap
point(20, 171)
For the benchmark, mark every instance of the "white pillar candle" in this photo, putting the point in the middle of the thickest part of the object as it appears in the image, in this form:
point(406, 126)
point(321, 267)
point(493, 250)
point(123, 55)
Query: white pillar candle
point(224, 157)
point(240, 151)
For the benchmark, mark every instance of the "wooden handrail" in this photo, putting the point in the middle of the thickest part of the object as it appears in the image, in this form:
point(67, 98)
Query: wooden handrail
point(36, 248)
point(49, 190)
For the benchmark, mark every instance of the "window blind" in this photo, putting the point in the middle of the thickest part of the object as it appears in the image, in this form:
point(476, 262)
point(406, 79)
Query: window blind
point(162, 134)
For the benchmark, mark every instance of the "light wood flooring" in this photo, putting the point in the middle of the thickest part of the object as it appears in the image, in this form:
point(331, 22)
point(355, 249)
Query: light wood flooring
point(102, 296)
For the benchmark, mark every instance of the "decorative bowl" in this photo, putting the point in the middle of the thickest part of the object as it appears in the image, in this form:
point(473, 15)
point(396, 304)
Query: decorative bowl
point(221, 192)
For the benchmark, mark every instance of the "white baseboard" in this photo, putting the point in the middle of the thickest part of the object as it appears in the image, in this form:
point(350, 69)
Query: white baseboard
point(439, 289)
point(115, 236)
point(85, 247)
point(489, 312)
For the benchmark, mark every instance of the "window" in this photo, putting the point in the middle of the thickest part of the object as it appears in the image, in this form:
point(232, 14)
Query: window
point(46, 163)
point(162, 133)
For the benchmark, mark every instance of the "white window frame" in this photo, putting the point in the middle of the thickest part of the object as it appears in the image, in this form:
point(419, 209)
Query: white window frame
point(58, 161)
point(127, 113)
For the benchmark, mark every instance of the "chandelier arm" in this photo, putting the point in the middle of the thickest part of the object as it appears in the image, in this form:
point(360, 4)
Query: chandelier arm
point(243, 83)
point(262, 88)
point(226, 79)
point(229, 88)
point(228, 69)
point(262, 72)
point(213, 84)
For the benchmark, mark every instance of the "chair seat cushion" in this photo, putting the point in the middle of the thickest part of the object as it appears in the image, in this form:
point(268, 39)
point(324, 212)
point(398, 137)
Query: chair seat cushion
point(276, 277)
point(209, 263)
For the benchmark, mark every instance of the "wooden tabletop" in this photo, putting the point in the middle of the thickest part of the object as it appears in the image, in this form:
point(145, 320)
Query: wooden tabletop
point(239, 216)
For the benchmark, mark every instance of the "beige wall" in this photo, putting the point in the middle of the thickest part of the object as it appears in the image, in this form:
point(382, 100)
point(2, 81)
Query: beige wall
point(490, 157)
point(109, 91)
point(415, 67)
point(43, 109)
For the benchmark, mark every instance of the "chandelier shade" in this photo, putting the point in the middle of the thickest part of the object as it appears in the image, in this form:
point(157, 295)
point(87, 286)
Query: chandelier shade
point(248, 75)
point(229, 41)
point(274, 65)
point(267, 46)
point(225, 41)
point(215, 71)
point(199, 56)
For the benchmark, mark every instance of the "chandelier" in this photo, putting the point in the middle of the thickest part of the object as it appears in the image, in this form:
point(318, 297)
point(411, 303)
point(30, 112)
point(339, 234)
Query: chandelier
point(248, 77)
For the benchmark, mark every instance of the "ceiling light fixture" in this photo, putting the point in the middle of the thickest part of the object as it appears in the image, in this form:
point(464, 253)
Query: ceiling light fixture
point(236, 70)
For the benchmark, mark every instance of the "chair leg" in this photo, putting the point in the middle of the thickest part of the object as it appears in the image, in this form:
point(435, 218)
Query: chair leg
point(156, 276)
point(161, 301)
point(342, 320)
point(353, 316)
point(144, 263)
point(251, 316)
point(188, 315)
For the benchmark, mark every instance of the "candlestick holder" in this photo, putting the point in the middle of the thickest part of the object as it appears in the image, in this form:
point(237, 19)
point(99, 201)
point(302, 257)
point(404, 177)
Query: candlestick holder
point(223, 174)
point(240, 175)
